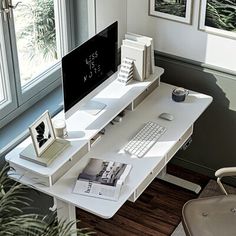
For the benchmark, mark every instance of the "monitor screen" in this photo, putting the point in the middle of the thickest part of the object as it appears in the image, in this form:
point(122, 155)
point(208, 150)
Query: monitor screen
point(89, 65)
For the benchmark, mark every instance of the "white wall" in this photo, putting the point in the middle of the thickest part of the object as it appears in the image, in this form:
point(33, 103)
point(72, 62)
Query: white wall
point(108, 11)
point(181, 39)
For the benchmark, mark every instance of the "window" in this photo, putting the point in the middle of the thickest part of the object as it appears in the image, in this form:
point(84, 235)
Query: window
point(31, 46)
point(35, 38)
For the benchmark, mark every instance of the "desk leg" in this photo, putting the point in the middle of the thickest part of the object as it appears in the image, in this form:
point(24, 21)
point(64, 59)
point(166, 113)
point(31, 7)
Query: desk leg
point(178, 181)
point(65, 211)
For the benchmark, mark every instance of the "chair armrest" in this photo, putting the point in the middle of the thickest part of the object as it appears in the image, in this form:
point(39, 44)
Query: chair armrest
point(227, 171)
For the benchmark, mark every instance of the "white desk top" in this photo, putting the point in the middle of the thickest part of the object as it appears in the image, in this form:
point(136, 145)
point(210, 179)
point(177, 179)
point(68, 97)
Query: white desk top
point(109, 147)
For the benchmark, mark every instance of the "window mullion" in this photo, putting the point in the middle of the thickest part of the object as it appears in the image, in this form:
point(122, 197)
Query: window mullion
point(64, 25)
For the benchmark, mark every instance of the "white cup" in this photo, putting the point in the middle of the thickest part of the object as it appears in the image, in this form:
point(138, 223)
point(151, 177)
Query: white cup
point(60, 128)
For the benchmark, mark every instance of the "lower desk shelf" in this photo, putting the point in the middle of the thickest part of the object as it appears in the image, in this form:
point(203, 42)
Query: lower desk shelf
point(50, 178)
point(179, 144)
point(154, 173)
point(147, 181)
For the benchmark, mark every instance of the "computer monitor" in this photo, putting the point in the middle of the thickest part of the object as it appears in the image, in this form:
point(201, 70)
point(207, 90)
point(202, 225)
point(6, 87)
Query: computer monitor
point(87, 70)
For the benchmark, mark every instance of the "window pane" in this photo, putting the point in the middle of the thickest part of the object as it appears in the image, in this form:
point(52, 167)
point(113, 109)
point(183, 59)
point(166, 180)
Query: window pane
point(7, 102)
point(1, 83)
point(4, 88)
point(36, 37)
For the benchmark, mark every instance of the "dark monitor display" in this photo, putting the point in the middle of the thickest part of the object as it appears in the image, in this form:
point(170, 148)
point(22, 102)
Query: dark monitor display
point(85, 68)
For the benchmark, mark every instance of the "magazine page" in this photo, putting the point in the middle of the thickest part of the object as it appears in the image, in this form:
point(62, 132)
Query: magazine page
point(102, 179)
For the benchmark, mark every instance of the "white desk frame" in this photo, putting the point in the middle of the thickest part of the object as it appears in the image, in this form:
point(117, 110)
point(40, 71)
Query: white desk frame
point(82, 127)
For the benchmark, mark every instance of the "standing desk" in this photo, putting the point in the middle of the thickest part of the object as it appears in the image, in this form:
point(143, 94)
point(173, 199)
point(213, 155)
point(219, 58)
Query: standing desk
point(82, 127)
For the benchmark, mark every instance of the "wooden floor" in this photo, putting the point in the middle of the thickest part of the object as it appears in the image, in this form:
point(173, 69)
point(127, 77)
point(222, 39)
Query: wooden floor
point(157, 211)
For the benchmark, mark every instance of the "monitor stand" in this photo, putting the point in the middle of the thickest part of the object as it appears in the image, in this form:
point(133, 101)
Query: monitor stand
point(93, 107)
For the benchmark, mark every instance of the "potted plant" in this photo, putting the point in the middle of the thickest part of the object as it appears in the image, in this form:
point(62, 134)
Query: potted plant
point(14, 221)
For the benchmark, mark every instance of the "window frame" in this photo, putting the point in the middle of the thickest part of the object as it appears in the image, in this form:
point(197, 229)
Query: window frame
point(24, 97)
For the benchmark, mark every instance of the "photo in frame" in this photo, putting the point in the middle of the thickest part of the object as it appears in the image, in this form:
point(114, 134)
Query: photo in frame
point(42, 133)
point(177, 10)
point(218, 17)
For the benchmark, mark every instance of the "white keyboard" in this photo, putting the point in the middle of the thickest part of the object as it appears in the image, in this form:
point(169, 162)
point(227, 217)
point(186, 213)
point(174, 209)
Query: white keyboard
point(144, 139)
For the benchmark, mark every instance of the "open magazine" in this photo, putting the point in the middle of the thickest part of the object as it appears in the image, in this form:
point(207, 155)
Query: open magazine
point(102, 179)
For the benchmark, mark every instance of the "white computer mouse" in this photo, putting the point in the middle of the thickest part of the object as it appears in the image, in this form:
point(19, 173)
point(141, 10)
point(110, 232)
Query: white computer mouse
point(166, 116)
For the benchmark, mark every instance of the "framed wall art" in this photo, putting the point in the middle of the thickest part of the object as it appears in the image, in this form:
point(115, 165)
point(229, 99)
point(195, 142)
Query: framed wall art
point(177, 10)
point(218, 17)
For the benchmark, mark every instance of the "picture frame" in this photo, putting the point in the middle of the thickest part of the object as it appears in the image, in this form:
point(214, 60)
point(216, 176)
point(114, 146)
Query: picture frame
point(42, 133)
point(217, 25)
point(169, 9)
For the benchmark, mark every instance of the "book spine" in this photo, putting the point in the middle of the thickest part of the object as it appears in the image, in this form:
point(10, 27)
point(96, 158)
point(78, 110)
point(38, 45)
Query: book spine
point(137, 55)
point(126, 72)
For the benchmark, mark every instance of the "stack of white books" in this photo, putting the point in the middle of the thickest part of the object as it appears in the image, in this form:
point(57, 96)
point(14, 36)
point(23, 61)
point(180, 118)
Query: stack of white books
point(139, 48)
point(126, 72)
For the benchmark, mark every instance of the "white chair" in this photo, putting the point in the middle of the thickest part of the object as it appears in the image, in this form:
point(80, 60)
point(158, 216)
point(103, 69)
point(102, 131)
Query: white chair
point(212, 216)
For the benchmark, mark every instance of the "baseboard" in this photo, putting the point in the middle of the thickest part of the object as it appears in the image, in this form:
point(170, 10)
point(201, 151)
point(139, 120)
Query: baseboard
point(193, 166)
point(201, 169)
